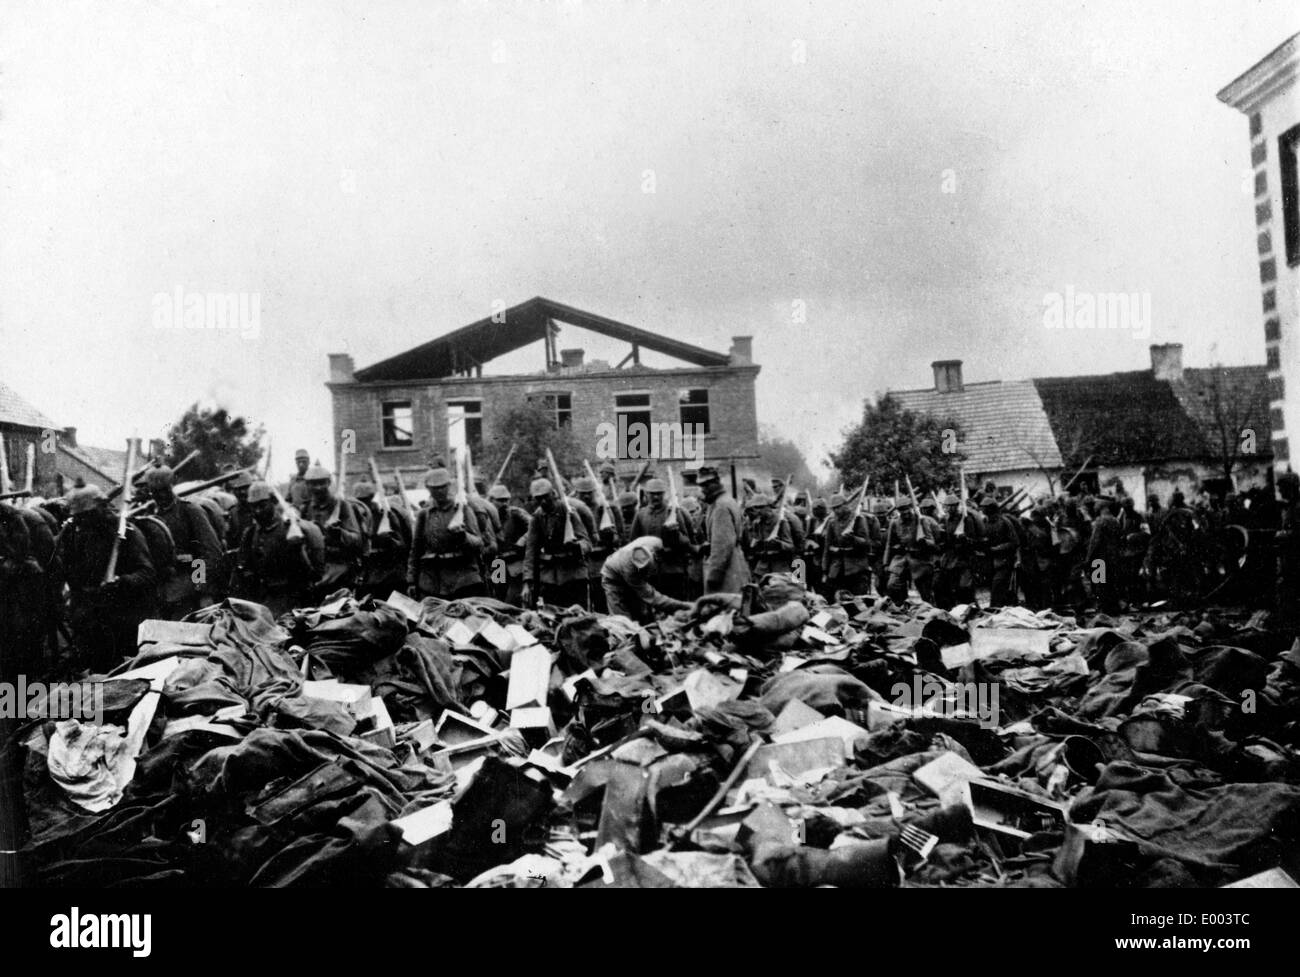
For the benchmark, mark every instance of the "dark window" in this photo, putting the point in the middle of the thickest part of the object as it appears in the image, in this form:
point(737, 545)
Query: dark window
point(632, 414)
point(465, 424)
point(560, 404)
point(693, 408)
point(399, 424)
point(1288, 144)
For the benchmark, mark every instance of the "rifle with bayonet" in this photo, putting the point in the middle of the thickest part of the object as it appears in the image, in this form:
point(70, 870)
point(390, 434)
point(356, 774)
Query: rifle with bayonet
point(780, 512)
point(1013, 500)
point(889, 534)
point(961, 525)
point(636, 482)
point(916, 506)
point(862, 498)
point(385, 527)
point(606, 521)
point(501, 472)
point(672, 521)
point(110, 574)
point(853, 520)
point(1066, 488)
point(569, 535)
point(138, 476)
point(401, 491)
point(288, 513)
point(221, 479)
point(457, 521)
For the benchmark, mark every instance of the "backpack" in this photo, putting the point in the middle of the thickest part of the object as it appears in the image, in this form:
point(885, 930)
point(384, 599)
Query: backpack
point(364, 522)
point(158, 540)
point(213, 512)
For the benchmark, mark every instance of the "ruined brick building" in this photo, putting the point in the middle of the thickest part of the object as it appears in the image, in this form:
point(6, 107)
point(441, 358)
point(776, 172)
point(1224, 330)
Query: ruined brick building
point(420, 403)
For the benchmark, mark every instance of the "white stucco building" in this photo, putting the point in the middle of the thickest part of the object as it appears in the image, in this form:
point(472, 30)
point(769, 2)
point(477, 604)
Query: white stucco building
point(1270, 99)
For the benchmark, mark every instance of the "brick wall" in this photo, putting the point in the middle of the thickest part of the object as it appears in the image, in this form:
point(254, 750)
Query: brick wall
point(732, 411)
point(16, 441)
point(71, 468)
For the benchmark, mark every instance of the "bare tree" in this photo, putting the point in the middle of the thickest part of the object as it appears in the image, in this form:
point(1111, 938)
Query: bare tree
point(1075, 447)
point(1229, 413)
point(1049, 472)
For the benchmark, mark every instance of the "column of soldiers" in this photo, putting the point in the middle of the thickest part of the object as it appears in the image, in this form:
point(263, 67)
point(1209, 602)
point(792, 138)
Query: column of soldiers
point(587, 543)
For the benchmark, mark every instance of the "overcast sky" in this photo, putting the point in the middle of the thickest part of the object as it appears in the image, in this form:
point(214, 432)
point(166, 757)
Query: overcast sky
point(377, 173)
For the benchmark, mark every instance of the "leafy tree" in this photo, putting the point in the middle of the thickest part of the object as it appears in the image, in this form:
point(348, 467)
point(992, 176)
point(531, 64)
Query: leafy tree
point(219, 438)
point(531, 429)
point(778, 457)
point(893, 443)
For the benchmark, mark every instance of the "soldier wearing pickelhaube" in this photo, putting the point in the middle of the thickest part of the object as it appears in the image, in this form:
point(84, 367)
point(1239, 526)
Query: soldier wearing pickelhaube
point(769, 539)
point(954, 576)
point(104, 613)
point(279, 559)
point(912, 541)
point(196, 575)
point(512, 542)
point(677, 532)
point(384, 566)
point(846, 555)
point(446, 546)
point(344, 540)
point(555, 560)
point(299, 492)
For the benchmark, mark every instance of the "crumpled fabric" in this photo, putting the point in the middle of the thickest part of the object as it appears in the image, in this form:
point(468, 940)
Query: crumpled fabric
point(583, 642)
point(826, 688)
point(199, 686)
point(758, 629)
point(421, 680)
point(743, 714)
point(90, 763)
point(246, 666)
point(1134, 671)
point(239, 622)
point(360, 848)
point(1194, 818)
point(1161, 727)
point(1022, 617)
point(266, 754)
point(347, 644)
point(780, 588)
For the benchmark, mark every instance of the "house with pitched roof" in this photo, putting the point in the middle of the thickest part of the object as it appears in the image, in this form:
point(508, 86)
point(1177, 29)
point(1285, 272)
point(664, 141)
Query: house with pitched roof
point(58, 462)
point(1145, 432)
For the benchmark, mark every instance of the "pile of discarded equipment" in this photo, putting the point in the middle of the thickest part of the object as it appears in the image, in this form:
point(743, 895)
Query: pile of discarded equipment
point(769, 740)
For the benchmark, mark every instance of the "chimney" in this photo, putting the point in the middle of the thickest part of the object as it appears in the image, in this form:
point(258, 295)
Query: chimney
point(742, 350)
point(341, 367)
point(70, 436)
point(947, 376)
point(570, 359)
point(1167, 361)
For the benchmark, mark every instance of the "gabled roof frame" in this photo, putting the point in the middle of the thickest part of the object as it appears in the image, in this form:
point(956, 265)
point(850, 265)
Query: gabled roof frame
point(516, 327)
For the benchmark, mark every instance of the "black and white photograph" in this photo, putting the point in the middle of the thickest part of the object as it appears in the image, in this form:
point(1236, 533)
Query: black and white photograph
point(644, 444)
